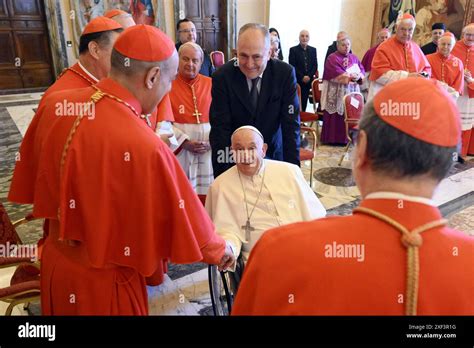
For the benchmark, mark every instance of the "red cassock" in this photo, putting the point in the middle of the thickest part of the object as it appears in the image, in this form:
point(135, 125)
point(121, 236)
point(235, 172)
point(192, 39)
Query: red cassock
point(75, 77)
point(393, 55)
point(297, 269)
point(466, 55)
point(117, 200)
point(181, 97)
point(450, 70)
point(71, 78)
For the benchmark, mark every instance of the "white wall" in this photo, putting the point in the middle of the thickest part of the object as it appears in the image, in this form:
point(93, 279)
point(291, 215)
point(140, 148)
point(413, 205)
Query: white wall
point(320, 18)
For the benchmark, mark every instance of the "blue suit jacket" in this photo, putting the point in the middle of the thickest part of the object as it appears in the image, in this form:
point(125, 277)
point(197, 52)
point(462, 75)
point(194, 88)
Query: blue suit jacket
point(277, 114)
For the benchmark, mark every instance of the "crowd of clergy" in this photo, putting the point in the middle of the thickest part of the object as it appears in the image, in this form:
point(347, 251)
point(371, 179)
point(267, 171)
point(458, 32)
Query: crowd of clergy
point(127, 183)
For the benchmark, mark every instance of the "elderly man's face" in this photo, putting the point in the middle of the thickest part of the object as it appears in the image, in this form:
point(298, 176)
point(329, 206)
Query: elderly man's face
point(404, 31)
point(187, 32)
point(468, 36)
point(253, 53)
point(436, 34)
point(124, 20)
point(445, 46)
point(248, 151)
point(304, 38)
point(190, 61)
point(344, 46)
point(383, 36)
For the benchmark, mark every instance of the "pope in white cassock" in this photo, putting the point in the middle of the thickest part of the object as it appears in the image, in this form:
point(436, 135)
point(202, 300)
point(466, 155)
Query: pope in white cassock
point(258, 194)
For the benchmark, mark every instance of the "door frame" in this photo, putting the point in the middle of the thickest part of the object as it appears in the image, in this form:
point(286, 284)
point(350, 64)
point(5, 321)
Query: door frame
point(57, 41)
point(230, 8)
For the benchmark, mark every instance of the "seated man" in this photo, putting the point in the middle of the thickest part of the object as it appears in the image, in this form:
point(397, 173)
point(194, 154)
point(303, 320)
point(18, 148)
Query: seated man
point(258, 194)
point(394, 255)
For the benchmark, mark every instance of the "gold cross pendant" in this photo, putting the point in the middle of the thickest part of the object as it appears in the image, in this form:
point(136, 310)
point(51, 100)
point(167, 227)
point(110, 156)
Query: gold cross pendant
point(197, 114)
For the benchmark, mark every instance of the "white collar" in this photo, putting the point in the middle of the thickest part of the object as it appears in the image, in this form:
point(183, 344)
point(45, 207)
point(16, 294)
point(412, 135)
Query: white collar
point(397, 195)
point(87, 72)
point(261, 76)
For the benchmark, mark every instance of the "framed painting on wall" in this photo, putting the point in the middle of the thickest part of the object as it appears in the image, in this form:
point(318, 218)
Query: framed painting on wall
point(454, 13)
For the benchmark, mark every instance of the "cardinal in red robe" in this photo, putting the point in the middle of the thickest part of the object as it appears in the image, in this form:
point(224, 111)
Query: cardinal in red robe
point(446, 67)
point(464, 50)
point(395, 255)
point(398, 58)
point(117, 202)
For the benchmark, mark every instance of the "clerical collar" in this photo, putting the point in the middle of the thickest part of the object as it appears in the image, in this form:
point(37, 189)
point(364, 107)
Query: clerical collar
point(87, 72)
point(397, 195)
point(190, 82)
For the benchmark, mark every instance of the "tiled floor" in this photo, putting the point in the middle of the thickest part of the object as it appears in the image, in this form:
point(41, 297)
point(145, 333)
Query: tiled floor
point(185, 290)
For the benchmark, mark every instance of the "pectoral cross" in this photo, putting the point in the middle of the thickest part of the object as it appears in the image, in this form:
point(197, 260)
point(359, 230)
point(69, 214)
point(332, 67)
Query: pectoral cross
point(197, 114)
point(147, 119)
point(248, 228)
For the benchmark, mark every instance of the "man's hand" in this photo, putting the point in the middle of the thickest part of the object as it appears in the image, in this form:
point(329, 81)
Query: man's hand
point(197, 147)
point(306, 79)
point(355, 77)
point(468, 76)
point(227, 260)
point(165, 138)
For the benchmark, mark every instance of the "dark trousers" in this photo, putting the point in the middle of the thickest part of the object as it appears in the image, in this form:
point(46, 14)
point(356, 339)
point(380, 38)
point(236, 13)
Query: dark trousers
point(305, 87)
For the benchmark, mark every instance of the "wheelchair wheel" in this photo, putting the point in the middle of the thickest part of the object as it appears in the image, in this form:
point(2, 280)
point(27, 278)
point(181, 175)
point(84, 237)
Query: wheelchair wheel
point(223, 288)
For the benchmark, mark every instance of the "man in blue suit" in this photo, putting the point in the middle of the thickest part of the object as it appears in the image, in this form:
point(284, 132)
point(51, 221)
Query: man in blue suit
point(304, 60)
point(255, 90)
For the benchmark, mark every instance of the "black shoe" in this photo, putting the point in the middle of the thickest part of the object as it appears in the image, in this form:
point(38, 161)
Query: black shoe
point(460, 159)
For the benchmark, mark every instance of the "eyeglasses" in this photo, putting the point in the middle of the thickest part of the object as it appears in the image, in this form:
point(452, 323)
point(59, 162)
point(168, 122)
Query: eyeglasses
point(187, 31)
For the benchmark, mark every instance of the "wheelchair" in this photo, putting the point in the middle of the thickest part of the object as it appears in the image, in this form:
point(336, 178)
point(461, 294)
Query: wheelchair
point(223, 287)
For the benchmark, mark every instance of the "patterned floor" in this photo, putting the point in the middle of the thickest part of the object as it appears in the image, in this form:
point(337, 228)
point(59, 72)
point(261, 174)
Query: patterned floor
point(185, 290)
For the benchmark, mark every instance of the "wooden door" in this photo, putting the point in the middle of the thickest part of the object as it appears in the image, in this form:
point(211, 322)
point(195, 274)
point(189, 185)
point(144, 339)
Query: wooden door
point(209, 17)
point(25, 56)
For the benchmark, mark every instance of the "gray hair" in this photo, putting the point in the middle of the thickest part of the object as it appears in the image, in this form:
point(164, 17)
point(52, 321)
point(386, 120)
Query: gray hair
point(399, 155)
point(193, 45)
point(339, 42)
point(257, 26)
point(466, 27)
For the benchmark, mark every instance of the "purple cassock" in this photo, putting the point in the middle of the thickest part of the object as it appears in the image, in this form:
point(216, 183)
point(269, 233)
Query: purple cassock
point(368, 57)
point(336, 84)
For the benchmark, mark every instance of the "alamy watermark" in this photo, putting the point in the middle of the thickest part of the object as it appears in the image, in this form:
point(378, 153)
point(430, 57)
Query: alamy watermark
point(345, 251)
point(398, 109)
point(29, 251)
point(68, 108)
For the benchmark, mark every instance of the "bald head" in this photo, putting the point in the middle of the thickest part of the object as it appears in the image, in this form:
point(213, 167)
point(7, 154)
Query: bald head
point(383, 35)
point(125, 20)
point(341, 35)
point(304, 38)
